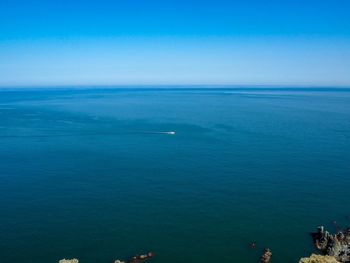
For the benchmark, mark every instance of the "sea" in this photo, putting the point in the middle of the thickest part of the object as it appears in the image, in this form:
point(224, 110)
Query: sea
point(194, 174)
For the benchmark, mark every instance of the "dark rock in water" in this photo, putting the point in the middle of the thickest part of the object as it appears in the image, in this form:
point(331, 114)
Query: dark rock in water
point(141, 258)
point(138, 258)
point(266, 256)
point(337, 245)
point(252, 245)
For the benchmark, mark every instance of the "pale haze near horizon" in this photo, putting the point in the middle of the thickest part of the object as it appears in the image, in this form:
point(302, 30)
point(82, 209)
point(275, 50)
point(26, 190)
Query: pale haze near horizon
point(159, 61)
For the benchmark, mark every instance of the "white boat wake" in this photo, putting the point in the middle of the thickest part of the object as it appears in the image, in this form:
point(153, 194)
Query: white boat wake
point(165, 132)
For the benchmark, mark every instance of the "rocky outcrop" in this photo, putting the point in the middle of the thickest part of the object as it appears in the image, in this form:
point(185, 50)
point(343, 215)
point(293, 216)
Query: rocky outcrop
point(266, 256)
point(318, 259)
point(74, 260)
point(337, 245)
point(138, 258)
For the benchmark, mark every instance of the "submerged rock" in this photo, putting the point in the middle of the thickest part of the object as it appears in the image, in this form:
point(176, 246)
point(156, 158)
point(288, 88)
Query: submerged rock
point(337, 245)
point(74, 260)
point(319, 259)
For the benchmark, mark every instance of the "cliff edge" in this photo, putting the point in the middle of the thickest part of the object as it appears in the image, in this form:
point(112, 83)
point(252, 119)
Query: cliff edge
point(318, 259)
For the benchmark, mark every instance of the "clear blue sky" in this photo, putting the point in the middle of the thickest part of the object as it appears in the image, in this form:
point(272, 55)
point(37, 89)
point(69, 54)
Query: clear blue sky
point(174, 42)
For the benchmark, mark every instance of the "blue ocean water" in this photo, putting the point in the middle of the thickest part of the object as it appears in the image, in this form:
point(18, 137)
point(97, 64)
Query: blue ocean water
point(88, 173)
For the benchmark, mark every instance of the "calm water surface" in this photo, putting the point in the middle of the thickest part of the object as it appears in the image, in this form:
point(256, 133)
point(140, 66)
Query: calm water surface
point(88, 173)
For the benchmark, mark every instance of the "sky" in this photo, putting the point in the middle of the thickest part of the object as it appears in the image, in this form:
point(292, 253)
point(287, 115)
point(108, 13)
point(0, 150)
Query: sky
point(162, 42)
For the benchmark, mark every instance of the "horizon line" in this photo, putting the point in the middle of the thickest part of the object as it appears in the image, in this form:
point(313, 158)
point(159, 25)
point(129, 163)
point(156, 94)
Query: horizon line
point(180, 86)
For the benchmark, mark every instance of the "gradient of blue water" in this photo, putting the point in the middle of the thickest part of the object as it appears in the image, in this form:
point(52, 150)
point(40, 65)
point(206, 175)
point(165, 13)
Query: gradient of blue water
point(85, 173)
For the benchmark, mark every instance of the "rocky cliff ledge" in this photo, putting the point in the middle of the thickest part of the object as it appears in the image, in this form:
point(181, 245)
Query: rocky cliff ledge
point(336, 245)
point(318, 259)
